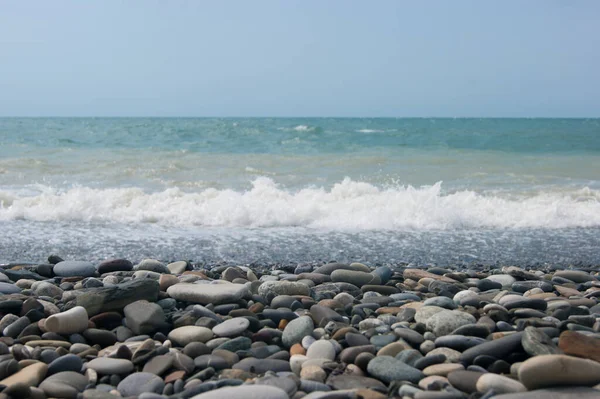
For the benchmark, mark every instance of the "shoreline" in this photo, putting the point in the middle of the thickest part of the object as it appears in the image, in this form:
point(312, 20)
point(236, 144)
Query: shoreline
point(77, 329)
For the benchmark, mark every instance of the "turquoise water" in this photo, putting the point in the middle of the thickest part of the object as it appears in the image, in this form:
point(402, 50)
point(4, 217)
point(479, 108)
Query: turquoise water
point(418, 190)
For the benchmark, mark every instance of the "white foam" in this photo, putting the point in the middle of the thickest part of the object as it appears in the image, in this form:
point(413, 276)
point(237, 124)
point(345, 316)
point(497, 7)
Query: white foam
point(348, 205)
point(370, 131)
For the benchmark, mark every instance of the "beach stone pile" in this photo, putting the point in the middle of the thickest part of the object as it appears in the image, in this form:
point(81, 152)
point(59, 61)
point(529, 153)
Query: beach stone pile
point(76, 329)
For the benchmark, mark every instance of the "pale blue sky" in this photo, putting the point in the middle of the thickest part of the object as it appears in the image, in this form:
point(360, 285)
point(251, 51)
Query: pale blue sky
point(300, 58)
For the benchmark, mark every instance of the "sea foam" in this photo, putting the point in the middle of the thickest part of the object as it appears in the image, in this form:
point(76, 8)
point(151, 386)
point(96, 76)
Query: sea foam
point(347, 205)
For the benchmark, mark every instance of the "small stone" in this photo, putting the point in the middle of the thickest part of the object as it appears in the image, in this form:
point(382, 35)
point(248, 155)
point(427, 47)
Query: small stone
point(297, 329)
point(70, 268)
point(245, 392)
point(446, 321)
point(66, 384)
point(144, 317)
point(107, 365)
point(321, 349)
point(577, 344)
point(30, 376)
point(535, 342)
point(205, 294)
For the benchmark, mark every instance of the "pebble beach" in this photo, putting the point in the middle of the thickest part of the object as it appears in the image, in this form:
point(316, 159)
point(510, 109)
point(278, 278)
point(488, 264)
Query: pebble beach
point(158, 330)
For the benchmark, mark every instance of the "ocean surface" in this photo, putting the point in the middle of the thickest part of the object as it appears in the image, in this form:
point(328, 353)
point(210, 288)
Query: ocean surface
point(261, 190)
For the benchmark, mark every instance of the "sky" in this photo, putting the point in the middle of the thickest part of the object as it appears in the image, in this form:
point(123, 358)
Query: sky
point(537, 58)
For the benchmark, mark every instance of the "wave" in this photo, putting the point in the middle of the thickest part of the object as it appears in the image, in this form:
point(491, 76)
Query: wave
point(370, 131)
point(347, 205)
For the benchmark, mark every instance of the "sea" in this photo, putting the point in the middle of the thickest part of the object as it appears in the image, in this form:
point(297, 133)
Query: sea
point(261, 191)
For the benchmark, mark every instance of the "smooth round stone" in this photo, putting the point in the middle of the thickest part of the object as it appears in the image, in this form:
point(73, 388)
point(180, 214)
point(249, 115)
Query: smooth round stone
point(114, 265)
point(321, 349)
point(245, 392)
point(177, 267)
point(498, 348)
point(442, 369)
point(446, 321)
point(388, 369)
point(138, 383)
point(107, 365)
point(499, 384)
point(72, 268)
point(66, 384)
point(576, 276)
point(231, 327)
point(184, 335)
point(465, 380)
point(72, 321)
point(452, 356)
point(152, 265)
point(69, 362)
point(205, 294)
point(487, 284)
point(556, 370)
point(287, 384)
point(297, 329)
point(356, 278)
point(313, 373)
point(505, 279)
point(8, 288)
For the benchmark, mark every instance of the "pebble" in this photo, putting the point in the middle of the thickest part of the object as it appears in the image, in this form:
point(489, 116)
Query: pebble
point(322, 330)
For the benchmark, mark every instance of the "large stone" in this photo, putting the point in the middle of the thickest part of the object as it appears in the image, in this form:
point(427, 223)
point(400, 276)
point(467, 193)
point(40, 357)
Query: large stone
point(351, 276)
point(297, 329)
point(576, 276)
point(535, 342)
point(388, 369)
point(245, 392)
point(577, 344)
point(425, 312)
point(8, 288)
point(498, 348)
point(30, 376)
point(557, 370)
point(184, 335)
point(205, 294)
point(446, 321)
point(73, 268)
point(138, 383)
point(144, 317)
point(417, 274)
point(66, 384)
point(106, 299)
point(72, 321)
point(554, 393)
point(44, 288)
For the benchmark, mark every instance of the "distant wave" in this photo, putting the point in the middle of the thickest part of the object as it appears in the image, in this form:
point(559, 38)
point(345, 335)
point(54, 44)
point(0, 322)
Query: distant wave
point(348, 205)
point(299, 128)
point(370, 131)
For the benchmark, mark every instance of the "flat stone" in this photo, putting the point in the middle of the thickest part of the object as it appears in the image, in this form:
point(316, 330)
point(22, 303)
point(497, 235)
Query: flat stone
point(283, 288)
point(66, 384)
point(535, 342)
point(353, 277)
point(8, 288)
point(72, 321)
point(177, 267)
point(556, 370)
point(442, 369)
point(205, 294)
point(184, 335)
point(30, 376)
point(115, 298)
point(388, 369)
point(138, 383)
point(114, 265)
point(465, 380)
point(245, 392)
point(107, 365)
point(232, 327)
point(577, 344)
point(418, 274)
point(158, 364)
point(425, 312)
point(72, 268)
point(576, 276)
point(346, 381)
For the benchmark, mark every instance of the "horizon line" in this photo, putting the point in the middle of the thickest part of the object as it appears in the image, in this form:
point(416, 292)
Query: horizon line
point(289, 117)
